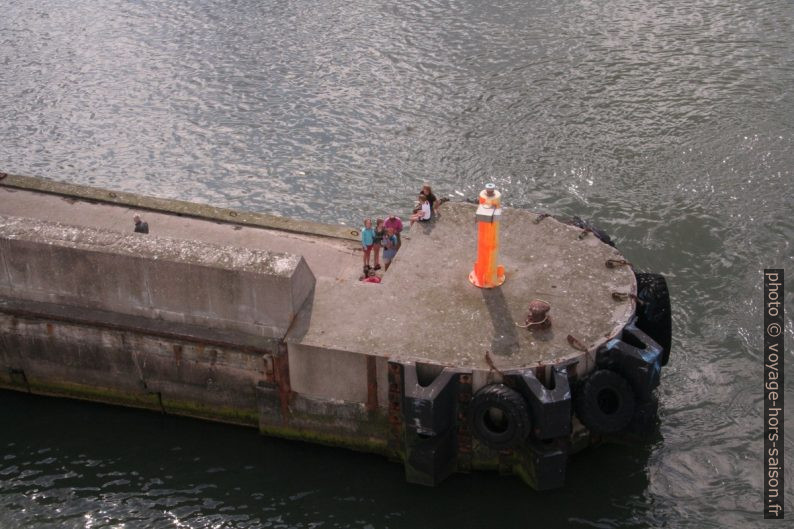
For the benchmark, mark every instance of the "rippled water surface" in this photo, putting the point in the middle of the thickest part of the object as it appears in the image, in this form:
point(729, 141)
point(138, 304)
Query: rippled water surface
point(670, 123)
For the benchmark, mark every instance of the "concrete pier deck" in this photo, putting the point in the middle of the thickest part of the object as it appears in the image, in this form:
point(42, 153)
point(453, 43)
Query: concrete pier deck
point(425, 309)
point(251, 319)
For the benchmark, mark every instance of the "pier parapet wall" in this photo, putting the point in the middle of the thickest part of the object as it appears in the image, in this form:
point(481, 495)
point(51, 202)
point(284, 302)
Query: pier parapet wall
point(226, 288)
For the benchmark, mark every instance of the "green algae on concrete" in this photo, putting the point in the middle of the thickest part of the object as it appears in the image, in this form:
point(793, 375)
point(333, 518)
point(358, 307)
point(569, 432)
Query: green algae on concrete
point(104, 395)
point(144, 400)
point(198, 410)
point(374, 445)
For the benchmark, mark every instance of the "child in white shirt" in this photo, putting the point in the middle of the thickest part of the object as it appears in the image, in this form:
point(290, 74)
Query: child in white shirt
point(423, 215)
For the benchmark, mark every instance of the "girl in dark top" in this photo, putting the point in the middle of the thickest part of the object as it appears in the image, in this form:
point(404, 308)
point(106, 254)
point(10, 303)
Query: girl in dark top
point(367, 241)
point(380, 233)
point(428, 193)
point(434, 202)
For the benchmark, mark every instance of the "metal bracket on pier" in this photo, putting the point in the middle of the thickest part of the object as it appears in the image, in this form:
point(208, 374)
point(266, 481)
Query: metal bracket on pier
point(636, 356)
point(430, 425)
point(273, 394)
point(550, 408)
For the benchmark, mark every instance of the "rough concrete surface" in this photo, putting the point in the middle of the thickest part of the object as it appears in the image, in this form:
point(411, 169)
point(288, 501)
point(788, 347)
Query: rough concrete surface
point(129, 368)
point(167, 206)
point(326, 256)
point(251, 291)
point(426, 309)
point(325, 374)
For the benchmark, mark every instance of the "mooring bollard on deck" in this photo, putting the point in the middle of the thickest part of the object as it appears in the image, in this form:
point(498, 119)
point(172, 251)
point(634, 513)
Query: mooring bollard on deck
point(488, 273)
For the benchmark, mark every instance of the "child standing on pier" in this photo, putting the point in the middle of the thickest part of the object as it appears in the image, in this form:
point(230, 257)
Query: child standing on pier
point(367, 241)
point(380, 233)
point(389, 247)
point(394, 222)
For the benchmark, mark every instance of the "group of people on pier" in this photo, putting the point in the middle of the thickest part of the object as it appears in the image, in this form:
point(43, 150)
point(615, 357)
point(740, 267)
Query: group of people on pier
point(385, 234)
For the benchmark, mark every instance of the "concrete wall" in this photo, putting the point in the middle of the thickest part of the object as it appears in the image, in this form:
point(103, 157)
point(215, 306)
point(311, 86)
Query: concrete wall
point(235, 289)
point(108, 365)
point(330, 374)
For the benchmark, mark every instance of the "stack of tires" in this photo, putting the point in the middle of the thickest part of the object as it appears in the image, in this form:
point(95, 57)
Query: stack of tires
point(610, 400)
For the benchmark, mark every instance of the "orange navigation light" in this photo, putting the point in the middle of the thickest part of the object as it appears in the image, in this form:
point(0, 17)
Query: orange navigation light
point(488, 273)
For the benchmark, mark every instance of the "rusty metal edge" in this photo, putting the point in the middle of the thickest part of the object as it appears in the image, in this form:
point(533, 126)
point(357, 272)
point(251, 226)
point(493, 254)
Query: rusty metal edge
point(177, 207)
point(372, 384)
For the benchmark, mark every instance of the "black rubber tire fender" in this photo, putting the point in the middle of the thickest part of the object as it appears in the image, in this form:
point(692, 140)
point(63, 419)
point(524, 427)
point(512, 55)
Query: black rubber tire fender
point(653, 314)
point(512, 427)
point(605, 403)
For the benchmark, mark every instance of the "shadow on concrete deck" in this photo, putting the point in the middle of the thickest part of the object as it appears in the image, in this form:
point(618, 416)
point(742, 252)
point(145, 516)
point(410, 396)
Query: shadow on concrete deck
point(505, 338)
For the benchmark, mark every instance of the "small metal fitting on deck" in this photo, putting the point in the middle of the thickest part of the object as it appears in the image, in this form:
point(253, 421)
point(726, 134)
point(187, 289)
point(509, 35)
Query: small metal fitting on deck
point(540, 217)
point(537, 317)
point(614, 263)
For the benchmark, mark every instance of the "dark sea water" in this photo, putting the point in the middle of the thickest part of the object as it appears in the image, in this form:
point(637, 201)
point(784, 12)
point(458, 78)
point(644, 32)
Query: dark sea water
point(669, 123)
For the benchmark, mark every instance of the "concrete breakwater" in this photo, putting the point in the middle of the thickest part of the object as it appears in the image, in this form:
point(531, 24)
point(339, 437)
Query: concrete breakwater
point(248, 319)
